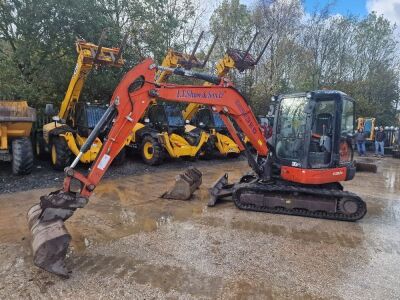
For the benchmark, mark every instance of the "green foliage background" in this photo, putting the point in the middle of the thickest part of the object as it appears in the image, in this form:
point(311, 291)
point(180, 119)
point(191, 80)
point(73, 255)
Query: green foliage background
point(357, 56)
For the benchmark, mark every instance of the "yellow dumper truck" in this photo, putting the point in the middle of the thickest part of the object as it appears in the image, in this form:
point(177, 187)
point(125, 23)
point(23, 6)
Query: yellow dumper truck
point(16, 119)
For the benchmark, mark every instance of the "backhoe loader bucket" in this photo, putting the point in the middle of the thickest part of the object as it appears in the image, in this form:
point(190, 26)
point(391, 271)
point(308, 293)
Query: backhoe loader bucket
point(185, 184)
point(50, 238)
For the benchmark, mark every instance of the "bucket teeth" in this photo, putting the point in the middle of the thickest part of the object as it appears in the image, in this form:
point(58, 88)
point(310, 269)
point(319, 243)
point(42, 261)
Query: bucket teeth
point(50, 238)
point(185, 184)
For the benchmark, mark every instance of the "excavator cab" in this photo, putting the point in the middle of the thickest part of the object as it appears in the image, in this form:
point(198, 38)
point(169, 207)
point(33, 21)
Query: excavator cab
point(313, 130)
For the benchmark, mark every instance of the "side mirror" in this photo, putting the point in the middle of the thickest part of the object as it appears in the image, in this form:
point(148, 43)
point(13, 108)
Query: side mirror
point(49, 110)
point(56, 118)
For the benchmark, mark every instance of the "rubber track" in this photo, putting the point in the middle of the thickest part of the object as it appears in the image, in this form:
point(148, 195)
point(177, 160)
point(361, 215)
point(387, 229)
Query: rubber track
point(265, 188)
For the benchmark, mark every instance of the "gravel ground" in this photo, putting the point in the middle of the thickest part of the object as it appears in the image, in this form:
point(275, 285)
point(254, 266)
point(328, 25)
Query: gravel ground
point(127, 243)
point(44, 176)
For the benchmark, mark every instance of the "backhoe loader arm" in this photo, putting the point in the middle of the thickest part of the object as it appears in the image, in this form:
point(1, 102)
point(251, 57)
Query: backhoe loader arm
point(90, 55)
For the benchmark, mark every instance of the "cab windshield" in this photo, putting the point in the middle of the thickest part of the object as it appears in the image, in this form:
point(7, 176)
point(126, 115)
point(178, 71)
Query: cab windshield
point(218, 123)
point(291, 126)
point(94, 114)
point(174, 116)
point(348, 118)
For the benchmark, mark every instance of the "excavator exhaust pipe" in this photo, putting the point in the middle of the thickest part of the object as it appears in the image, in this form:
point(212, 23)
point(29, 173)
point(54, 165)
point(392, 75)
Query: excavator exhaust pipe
point(185, 185)
point(50, 238)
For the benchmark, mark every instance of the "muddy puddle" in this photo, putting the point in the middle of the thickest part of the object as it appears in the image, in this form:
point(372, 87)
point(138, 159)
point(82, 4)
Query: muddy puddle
point(129, 243)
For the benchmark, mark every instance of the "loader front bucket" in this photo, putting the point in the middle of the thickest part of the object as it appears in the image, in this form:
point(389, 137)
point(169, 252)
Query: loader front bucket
point(185, 185)
point(50, 238)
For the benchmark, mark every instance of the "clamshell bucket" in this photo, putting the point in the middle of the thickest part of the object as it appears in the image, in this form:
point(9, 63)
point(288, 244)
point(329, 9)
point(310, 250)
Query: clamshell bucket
point(185, 184)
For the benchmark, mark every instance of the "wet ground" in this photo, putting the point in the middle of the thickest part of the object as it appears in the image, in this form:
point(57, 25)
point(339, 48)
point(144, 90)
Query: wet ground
point(44, 176)
point(128, 243)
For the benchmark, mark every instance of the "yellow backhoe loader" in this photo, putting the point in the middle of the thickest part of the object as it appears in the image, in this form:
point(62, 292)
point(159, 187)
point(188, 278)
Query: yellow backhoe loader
point(69, 129)
point(204, 118)
point(162, 131)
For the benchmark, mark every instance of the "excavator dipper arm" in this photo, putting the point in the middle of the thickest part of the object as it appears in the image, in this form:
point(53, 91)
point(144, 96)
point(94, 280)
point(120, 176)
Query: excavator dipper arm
point(134, 93)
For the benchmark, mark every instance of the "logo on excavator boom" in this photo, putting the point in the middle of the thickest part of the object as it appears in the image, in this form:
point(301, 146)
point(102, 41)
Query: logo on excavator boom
point(247, 117)
point(205, 95)
point(337, 173)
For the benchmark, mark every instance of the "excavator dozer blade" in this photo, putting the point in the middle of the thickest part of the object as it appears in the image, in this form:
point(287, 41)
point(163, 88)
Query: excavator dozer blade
point(185, 184)
point(220, 189)
point(366, 165)
point(50, 238)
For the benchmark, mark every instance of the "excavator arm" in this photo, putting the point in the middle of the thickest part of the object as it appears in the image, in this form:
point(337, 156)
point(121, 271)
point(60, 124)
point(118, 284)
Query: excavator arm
point(128, 104)
point(134, 94)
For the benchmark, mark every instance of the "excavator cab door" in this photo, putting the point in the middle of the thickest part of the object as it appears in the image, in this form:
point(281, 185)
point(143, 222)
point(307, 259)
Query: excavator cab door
point(311, 130)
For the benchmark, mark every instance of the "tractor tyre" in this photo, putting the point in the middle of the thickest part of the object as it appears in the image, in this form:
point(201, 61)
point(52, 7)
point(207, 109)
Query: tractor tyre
point(152, 151)
point(40, 151)
point(60, 153)
point(120, 158)
point(22, 156)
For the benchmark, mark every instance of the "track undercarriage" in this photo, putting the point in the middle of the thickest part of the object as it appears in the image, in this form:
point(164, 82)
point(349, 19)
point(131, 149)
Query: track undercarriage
point(276, 196)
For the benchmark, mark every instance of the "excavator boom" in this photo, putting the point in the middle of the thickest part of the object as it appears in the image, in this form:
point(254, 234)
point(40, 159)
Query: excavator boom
point(134, 94)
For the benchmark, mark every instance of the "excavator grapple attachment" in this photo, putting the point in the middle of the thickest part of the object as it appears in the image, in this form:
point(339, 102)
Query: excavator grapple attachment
point(185, 185)
point(50, 238)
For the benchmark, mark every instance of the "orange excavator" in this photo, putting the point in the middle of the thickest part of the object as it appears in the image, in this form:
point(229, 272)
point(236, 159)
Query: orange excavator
point(298, 174)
